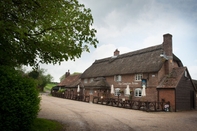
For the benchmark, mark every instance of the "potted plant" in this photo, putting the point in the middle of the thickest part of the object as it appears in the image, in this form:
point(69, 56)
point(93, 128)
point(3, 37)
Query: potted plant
point(121, 91)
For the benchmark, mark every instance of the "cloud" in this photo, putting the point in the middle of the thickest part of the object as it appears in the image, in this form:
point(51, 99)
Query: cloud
point(152, 40)
point(129, 25)
point(104, 51)
point(108, 50)
point(193, 72)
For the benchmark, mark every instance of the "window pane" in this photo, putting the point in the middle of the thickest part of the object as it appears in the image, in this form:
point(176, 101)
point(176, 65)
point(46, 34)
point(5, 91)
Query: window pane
point(140, 92)
point(136, 93)
point(85, 80)
point(117, 91)
point(138, 77)
point(117, 78)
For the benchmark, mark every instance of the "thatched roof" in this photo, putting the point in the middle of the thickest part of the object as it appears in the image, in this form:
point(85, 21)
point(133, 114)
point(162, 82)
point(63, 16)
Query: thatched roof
point(140, 61)
point(99, 83)
point(71, 81)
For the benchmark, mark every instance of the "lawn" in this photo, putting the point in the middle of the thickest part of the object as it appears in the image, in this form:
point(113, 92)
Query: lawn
point(41, 124)
point(49, 86)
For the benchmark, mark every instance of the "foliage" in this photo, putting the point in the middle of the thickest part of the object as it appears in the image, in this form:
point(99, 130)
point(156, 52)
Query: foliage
point(34, 74)
point(19, 100)
point(61, 90)
point(44, 31)
point(62, 77)
point(121, 91)
point(130, 97)
point(41, 78)
point(21, 69)
point(49, 86)
point(41, 124)
point(76, 73)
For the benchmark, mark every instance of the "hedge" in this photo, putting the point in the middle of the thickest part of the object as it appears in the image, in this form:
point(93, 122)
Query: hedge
point(19, 100)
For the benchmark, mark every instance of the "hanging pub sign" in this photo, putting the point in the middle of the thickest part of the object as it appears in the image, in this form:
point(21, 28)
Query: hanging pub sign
point(144, 82)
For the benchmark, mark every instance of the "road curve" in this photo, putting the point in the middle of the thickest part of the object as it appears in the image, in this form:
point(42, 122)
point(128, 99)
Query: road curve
point(81, 116)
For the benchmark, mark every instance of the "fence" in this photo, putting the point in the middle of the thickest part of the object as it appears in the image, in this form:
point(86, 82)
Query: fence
point(122, 103)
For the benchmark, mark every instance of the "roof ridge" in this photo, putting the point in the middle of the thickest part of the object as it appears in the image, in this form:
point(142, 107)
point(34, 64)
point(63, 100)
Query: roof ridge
point(144, 50)
point(129, 54)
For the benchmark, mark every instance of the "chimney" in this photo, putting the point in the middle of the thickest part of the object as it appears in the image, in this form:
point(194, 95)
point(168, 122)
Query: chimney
point(67, 74)
point(167, 50)
point(116, 52)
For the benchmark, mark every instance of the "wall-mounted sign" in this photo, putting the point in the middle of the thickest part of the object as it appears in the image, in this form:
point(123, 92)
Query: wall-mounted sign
point(121, 83)
point(144, 82)
point(134, 83)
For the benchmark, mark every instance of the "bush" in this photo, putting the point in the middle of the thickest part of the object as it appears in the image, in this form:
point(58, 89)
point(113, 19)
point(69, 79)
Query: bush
point(61, 90)
point(19, 100)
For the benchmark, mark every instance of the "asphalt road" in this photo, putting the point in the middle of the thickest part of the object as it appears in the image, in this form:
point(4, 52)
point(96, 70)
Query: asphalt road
point(81, 116)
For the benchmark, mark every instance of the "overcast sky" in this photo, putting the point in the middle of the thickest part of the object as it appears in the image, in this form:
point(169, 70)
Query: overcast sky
point(129, 25)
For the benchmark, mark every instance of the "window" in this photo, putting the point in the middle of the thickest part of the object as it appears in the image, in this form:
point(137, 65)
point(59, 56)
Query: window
point(91, 92)
point(91, 80)
point(117, 91)
point(85, 80)
point(138, 92)
point(117, 78)
point(138, 77)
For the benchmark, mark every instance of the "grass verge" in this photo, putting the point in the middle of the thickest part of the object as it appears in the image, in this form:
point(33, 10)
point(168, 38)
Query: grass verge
point(49, 86)
point(41, 124)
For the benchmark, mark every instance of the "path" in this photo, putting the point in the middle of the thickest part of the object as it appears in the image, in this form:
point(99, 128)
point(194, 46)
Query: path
point(81, 116)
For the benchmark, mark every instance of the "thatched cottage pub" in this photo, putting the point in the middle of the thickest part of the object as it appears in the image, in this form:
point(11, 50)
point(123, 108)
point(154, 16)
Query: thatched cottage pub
point(67, 88)
point(150, 74)
point(150, 78)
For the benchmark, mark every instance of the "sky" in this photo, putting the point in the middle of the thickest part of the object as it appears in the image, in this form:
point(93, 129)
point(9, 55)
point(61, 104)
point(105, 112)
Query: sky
point(129, 25)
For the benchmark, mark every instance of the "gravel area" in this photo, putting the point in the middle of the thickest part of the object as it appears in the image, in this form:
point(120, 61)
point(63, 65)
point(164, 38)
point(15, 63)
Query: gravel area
point(81, 116)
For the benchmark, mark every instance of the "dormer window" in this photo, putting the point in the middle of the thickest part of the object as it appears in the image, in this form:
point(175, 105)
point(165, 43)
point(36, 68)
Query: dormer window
point(138, 77)
point(117, 78)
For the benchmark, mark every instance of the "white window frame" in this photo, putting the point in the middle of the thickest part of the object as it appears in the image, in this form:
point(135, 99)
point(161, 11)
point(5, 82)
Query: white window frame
point(138, 92)
point(117, 91)
point(91, 80)
point(85, 81)
point(138, 77)
point(117, 78)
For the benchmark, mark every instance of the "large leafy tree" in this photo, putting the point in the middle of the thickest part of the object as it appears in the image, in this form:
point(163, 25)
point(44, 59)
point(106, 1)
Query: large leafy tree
point(44, 31)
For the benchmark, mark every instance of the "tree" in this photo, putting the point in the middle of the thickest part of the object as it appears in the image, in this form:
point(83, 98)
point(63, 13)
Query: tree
point(40, 78)
point(44, 31)
point(32, 32)
point(62, 78)
point(33, 74)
